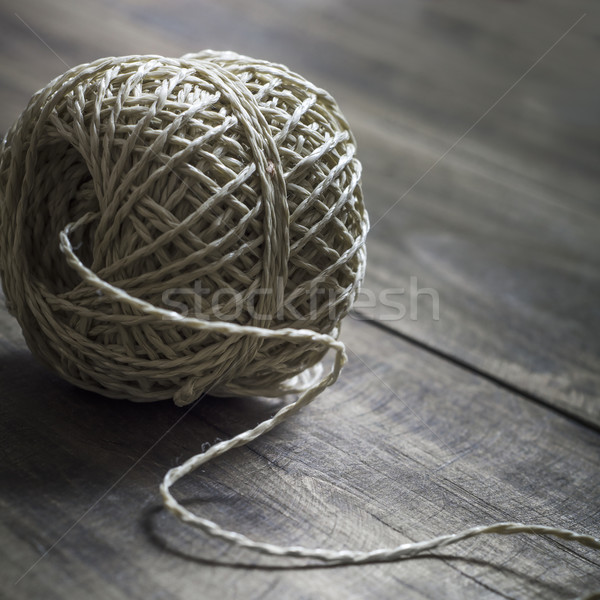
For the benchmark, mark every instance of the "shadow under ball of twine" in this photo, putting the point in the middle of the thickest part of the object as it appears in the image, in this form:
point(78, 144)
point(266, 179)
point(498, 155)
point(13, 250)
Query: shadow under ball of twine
point(128, 181)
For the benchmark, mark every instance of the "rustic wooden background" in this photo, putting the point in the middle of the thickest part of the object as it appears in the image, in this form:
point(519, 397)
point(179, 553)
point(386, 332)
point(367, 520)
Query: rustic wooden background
point(478, 125)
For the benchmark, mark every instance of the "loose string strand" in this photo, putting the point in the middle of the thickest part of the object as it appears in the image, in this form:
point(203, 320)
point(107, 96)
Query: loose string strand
point(328, 556)
point(345, 556)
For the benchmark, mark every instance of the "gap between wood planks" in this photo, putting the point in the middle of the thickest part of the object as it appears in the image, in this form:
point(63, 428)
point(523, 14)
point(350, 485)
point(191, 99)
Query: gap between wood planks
point(471, 368)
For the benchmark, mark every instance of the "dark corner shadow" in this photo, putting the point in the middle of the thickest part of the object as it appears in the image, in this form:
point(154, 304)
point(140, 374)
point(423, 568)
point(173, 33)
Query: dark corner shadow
point(192, 546)
point(52, 431)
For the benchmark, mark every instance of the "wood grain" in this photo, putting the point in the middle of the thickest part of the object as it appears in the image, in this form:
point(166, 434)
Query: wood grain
point(402, 448)
point(505, 227)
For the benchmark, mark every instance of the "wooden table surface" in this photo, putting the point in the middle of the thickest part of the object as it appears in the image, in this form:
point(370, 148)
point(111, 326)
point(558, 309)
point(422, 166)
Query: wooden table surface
point(478, 126)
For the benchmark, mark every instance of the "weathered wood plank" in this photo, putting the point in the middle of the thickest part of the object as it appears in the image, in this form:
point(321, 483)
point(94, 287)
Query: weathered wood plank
point(404, 447)
point(505, 227)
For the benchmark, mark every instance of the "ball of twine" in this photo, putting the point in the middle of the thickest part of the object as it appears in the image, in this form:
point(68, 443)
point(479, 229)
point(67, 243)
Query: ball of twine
point(171, 227)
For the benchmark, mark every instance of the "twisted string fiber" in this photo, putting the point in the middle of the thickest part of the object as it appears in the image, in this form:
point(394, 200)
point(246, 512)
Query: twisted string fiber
point(214, 169)
point(154, 173)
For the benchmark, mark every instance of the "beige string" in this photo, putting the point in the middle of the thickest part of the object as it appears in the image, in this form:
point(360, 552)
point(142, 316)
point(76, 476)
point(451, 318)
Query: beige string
point(156, 173)
point(213, 169)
